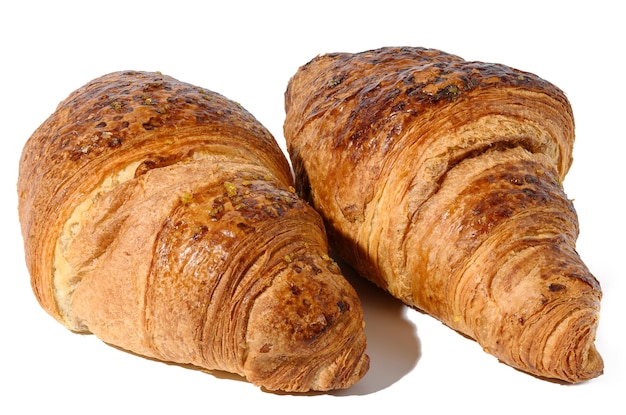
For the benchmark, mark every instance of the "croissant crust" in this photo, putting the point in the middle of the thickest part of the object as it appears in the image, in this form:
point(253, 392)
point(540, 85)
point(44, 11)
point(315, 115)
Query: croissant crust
point(162, 218)
point(440, 180)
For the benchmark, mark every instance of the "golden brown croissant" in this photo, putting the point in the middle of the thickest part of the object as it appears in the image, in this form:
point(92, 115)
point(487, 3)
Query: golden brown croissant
point(440, 180)
point(161, 217)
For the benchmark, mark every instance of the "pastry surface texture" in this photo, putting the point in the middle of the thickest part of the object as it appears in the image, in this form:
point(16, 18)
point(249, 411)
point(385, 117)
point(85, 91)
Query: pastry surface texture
point(440, 180)
point(162, 217)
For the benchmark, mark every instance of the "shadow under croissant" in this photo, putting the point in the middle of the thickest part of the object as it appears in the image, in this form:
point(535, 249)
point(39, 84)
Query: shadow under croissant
point(220, 374)
point(392, 342)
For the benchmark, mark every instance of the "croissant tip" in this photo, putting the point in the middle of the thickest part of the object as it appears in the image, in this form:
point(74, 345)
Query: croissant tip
point(335, 382)
point(593, 366)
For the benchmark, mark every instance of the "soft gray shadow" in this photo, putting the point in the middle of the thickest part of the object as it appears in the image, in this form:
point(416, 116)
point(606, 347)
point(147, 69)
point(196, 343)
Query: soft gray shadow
point(392, 343)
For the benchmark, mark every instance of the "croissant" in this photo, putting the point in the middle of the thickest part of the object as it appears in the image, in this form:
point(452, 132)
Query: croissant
point(162, 218)
point(440, 180)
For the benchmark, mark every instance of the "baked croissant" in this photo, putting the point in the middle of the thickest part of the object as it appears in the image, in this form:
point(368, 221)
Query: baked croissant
point(440, 180)
point(162, 218)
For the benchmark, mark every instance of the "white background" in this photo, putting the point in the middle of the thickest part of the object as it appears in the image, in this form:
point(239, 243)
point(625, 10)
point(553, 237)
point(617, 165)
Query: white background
point(247, 51)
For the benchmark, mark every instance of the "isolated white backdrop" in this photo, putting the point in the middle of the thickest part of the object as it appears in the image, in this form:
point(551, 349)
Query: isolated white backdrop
point(247, 51)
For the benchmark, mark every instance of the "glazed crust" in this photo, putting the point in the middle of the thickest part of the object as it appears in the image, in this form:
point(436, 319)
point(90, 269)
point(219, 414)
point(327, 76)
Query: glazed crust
point(440, 180)
point(162, 217)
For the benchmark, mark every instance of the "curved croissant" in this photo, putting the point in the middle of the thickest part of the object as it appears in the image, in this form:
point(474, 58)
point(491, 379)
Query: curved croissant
point(161, 217)
point(440, 180)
